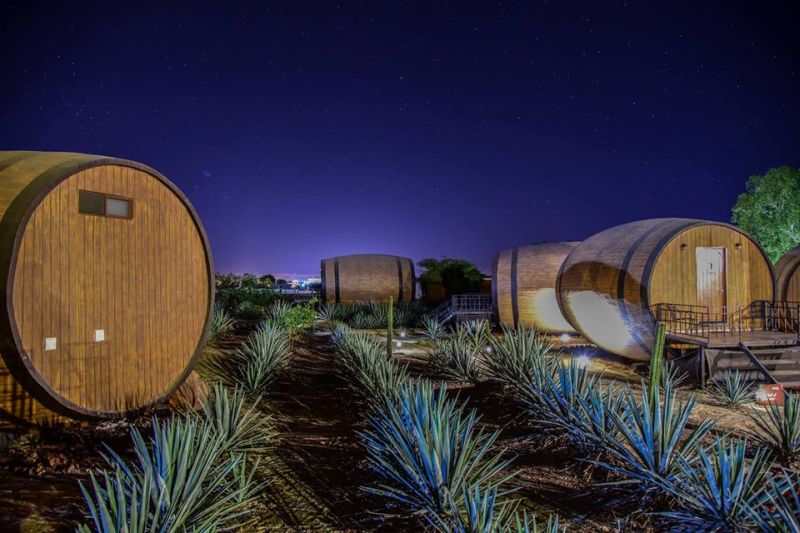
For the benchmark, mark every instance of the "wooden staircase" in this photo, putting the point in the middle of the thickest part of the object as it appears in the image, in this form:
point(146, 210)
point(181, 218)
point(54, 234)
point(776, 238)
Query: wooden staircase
point(765, 364)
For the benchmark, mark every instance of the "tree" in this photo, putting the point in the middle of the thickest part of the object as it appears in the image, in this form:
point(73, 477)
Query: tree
point(457, 275)
point(769, 209)
point(267, 280)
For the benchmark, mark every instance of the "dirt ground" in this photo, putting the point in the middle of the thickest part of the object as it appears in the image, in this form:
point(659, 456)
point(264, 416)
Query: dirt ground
point(314, 481)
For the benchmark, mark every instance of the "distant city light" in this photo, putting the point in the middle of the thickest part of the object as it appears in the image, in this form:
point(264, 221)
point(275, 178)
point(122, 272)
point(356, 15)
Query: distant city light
point(399, 344)
point(583, 361)
point(402, 334)
point(488, 349)
point(565, 337)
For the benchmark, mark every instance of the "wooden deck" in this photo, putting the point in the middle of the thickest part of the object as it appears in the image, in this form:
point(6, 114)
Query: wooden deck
point(728, 340)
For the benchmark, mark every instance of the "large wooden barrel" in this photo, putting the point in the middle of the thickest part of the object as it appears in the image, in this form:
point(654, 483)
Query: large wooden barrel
point(524, 286)
point(788, 277)
point(608, 284)
point(107, 287)
point(368, 277)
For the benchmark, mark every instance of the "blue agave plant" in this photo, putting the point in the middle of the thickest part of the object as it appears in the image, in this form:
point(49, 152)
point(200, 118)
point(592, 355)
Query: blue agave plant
point(652, 436)
point(721, 487)
point(427, 450)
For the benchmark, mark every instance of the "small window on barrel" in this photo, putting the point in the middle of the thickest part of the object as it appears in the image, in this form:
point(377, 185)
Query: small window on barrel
point(95, 203)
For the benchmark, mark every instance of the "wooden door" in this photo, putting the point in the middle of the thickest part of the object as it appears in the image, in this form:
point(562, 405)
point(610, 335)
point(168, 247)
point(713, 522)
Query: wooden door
point(711, 281)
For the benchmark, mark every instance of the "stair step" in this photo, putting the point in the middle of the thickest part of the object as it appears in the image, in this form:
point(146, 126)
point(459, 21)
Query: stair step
point(785, 373)
point(744, 362)
point(791, 384)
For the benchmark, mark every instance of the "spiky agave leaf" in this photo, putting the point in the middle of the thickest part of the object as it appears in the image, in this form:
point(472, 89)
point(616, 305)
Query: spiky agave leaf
point(261, 358)
point(432, 328)
point(331, 312)
point(779, 507)
point(243, 428)
point(277, 309)
point(426, 450)
point(367, 368)
point(520, 357)
point(483, 512)
point(652, 436)
point(460, 357)
point(733, 389)
point(778, 428)
point(719, 489)
point(183, 480)
point(221, 322)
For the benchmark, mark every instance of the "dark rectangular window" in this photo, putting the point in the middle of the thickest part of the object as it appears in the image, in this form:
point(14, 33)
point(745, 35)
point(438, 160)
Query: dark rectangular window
point(96, 203)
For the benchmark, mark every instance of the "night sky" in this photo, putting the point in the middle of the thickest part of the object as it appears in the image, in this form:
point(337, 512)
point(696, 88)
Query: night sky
point(301, 131)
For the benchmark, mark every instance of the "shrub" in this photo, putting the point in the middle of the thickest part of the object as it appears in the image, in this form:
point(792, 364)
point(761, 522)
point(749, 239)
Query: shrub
point(298, 318)
point(460, 358)
point(652, 436)
point(779, 428)
point(720, 489)
point(183, 481)
point(520, 357)
point(427, 450)
point(249, 310)
point(733, 390)
point(221, 322)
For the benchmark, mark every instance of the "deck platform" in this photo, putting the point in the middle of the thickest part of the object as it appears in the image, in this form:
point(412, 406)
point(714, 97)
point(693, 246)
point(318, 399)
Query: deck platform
point(732, 340)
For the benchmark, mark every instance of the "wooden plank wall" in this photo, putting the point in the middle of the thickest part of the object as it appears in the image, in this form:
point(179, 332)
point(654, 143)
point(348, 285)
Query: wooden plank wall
point(365, 278)
point(144, 281)
point(536, 271)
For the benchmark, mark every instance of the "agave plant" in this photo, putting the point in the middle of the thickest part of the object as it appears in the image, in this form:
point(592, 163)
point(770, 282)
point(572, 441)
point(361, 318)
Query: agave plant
point(261, 358)
point(368, 369)
point(779, 507)
point(182, 481)
point(520, 358)
point(221, 322)
point(557, 400)
point(732, 390)
point(484, 513)
point(364, 320)
point(242, 428)
point(432, 328)
point(460, 357)
point(652, 436)
point(427, 450)
point(779, 428)
point(277, 309)
point(331, 312)
point(721, 487)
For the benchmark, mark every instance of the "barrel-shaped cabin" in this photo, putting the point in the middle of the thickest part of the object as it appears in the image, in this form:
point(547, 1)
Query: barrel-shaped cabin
point(787, 274)
point(702, 273)
point(367, 278)
point(524, 286)
point(107, 287)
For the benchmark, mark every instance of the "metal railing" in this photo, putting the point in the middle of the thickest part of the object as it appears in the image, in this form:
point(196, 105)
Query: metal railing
point(759, 316)
point(471, 303)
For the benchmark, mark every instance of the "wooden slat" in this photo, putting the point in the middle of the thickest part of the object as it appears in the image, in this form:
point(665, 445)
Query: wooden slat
point(145, 281)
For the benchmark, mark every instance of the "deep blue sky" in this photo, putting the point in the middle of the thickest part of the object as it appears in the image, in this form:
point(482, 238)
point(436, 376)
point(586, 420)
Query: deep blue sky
point(302, 130)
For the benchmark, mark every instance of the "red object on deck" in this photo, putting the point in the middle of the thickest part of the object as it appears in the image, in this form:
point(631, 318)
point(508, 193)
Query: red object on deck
point(770, 394)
